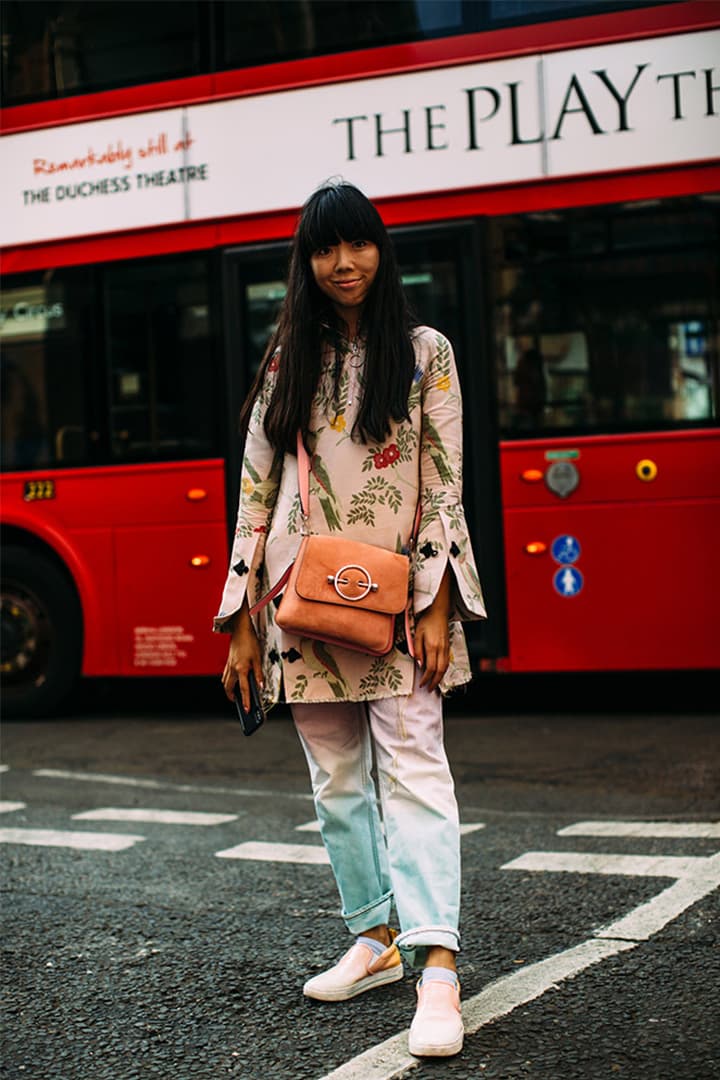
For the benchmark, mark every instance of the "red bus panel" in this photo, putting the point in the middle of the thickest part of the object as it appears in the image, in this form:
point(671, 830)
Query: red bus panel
point(622, 571)
point(128, 535)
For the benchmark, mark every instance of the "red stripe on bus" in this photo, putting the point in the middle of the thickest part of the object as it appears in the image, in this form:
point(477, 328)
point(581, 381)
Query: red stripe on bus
point(416, 209)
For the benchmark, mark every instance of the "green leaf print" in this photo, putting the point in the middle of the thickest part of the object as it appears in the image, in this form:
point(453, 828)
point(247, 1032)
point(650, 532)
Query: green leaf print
point(323, 665)
point(251, 471)
point(326, 496)
point(441, 361)
point(293, 515)
point(382, 675)
point(432, 502)
point(377, 491)
point(301, 685)
point(406, 440)
point(435, 448)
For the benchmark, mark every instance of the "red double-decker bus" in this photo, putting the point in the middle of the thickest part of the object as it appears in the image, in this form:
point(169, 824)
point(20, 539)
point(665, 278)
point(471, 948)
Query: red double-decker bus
point(551, 175)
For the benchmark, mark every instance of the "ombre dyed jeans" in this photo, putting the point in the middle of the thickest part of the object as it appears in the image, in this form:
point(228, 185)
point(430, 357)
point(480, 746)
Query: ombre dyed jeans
point(412, 855)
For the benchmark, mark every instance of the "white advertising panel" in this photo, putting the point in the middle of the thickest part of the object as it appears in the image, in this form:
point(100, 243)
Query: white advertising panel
point(654, 101)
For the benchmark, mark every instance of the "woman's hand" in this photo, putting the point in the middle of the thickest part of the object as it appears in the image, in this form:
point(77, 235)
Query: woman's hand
point(243, 657)
point(432, 637)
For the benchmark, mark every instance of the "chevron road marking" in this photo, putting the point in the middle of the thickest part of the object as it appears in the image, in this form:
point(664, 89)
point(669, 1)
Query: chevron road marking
point(82, 841)
point(696, 878)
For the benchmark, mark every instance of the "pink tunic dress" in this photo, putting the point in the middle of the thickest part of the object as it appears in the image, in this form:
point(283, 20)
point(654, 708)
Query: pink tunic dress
point(364, 492)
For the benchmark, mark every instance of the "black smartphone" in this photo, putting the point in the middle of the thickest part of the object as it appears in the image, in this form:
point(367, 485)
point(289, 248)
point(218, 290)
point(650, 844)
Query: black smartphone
point(252, 720)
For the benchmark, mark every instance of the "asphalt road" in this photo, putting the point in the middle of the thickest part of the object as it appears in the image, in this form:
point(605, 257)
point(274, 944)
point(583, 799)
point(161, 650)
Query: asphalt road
point(590, 897)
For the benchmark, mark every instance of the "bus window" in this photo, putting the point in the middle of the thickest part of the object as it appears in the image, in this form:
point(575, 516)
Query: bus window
point(608, 318)
point(162, 382)
point(46, 329)
point(54, 48)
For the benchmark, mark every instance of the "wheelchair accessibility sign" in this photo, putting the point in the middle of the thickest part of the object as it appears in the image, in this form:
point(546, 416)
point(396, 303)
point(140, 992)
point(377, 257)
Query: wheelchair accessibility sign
point(565, 549)
point(568, 581)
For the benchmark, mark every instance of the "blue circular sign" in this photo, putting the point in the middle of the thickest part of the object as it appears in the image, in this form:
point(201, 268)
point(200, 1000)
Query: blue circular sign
point(568, 581)
point(565, 549)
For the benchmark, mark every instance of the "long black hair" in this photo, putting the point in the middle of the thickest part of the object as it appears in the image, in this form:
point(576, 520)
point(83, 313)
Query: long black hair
point(308, 323)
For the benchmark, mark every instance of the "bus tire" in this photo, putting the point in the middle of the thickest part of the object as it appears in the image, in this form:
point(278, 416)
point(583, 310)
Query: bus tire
point(41, 643)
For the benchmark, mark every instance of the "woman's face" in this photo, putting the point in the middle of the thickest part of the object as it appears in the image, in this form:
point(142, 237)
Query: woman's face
point(345, 272)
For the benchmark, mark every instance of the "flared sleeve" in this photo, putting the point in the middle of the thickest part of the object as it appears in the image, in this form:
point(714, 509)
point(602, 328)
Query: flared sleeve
point(259, 484)
point(443, 537)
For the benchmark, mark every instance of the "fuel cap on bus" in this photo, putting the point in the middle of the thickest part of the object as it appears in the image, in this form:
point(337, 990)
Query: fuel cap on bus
point(562, 477)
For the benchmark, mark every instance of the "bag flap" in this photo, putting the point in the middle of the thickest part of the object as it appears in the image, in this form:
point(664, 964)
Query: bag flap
point(354, 569)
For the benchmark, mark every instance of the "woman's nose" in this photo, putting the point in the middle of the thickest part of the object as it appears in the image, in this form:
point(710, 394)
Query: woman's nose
point(344, 256)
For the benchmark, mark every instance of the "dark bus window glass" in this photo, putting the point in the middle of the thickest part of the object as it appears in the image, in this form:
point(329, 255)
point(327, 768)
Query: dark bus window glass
point(162, 382)
point(607, 319)
point(46, 331)
point(528, 11)
point(260, 31)
point(56, 48)
point(53, 48)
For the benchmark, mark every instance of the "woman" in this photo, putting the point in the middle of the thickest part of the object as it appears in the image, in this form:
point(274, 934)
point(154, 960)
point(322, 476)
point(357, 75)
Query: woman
point(377, 400)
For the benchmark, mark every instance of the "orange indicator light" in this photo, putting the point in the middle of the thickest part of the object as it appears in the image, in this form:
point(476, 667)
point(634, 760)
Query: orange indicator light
point(531, 476)
point(646, 470)
point(200, 560)
point(197, 494)
point(536, 547)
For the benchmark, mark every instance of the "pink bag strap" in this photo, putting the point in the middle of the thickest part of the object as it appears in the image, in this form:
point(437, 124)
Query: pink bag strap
point(303, 468)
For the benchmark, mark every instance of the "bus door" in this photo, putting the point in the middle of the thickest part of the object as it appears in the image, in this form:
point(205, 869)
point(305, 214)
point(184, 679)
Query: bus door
point(440, 271)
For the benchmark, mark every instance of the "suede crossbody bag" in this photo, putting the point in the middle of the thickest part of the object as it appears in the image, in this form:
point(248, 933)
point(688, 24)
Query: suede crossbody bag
point(342, 592)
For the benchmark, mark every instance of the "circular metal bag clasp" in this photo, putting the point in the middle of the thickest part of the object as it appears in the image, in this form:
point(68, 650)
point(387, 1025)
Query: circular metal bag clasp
point(352, 576)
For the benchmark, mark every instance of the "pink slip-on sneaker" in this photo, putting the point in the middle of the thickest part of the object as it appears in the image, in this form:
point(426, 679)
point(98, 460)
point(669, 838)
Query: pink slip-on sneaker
point(357, 971)
point(437, 1028)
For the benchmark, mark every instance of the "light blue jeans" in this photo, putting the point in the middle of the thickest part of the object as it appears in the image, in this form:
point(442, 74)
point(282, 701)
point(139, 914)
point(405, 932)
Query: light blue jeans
point(414, 860)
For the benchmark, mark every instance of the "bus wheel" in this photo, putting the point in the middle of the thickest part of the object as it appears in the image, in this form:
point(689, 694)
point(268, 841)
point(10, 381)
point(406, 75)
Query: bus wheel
point(41, 635)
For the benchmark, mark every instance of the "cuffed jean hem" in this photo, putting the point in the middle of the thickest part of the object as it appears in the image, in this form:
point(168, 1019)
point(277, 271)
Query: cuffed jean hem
point(365, 918)
point(414, 944)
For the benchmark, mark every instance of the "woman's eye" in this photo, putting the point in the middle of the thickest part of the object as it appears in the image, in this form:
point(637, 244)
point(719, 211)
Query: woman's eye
point(359, 243)
point(323, 251)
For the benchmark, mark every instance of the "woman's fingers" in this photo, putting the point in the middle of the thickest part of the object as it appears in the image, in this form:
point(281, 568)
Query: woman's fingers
point(243, 657)
point(435, 660)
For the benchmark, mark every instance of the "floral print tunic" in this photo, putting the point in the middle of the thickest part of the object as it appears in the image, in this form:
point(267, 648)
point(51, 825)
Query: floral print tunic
point(367, 493)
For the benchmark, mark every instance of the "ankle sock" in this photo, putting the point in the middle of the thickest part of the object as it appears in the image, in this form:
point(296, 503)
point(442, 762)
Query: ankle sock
point(377, 946)
point(439, 974)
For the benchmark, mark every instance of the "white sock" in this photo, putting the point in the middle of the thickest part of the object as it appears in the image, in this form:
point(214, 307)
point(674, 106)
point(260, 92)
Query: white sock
point(377, 946)
point(439, 974)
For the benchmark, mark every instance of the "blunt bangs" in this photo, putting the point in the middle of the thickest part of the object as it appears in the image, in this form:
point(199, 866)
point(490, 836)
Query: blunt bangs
point(338, 212)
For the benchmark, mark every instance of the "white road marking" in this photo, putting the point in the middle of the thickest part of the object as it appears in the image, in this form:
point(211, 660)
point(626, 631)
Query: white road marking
point(690, 830)
point(570, 862)
point(647, 919)
point(4, 768)
point(162, 785)
point(159, 817)
point(292, 853)
point(465, 829)
point(8, 807)
point(83, 841)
